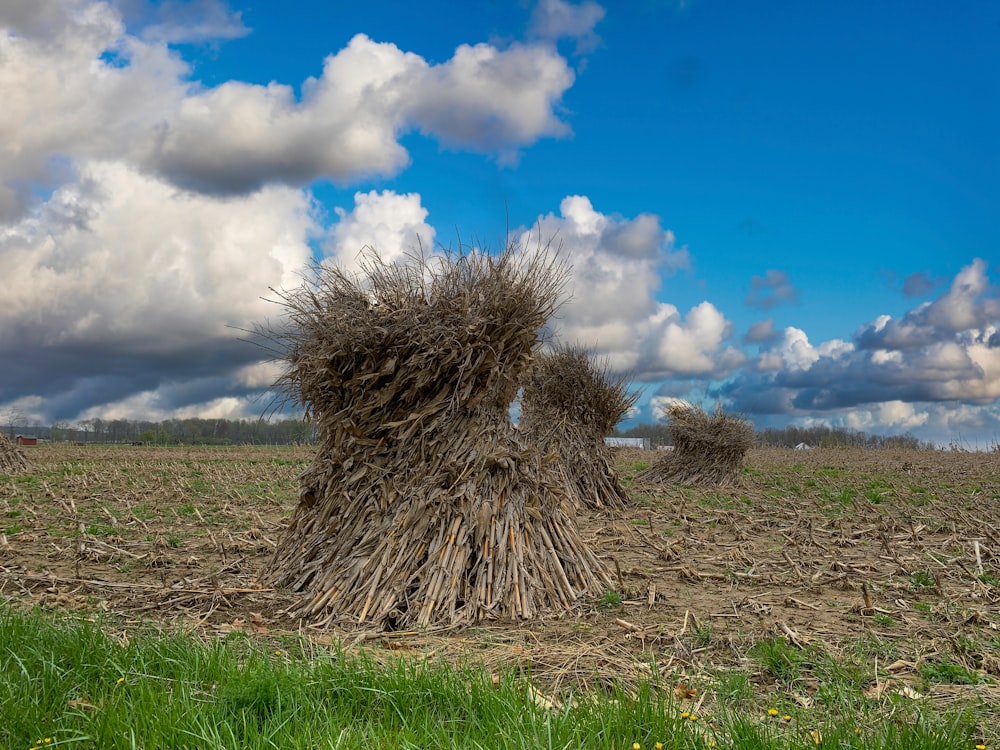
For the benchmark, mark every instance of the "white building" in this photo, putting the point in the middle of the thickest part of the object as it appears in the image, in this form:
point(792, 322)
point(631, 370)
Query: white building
point(625, 442)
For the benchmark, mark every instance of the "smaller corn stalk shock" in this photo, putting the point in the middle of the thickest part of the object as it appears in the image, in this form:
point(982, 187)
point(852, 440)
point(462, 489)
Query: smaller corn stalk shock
point(570, 405)
point(12, 460)
point(708, 449)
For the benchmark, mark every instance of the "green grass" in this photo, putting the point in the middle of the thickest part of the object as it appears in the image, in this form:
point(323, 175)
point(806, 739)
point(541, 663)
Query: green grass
point(71, 682)
point(949, 673)
point(922, 579)
point(84, 684)
point(877, 490)
point(610, 600)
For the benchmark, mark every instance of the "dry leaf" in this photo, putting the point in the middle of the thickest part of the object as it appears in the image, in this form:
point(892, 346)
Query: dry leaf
point(257, 619)
point(542, 701)
point(816, 737)
point(876, 690)
point(683, 692)
point(397, 646)
point(907, 692)
point(82, 703)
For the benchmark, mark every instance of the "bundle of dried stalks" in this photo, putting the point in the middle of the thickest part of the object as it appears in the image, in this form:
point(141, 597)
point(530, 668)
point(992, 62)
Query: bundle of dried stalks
point(570, 405)
point(707, 450)
point(12, 461)
point(423, 505)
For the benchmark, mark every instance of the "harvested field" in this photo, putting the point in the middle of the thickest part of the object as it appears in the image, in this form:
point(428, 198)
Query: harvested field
point(876, 570)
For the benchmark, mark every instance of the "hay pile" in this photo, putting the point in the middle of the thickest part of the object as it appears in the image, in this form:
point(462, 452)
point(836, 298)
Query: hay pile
point(570, 405)
point(12, 461)
point(708, 450)
point(423, 504)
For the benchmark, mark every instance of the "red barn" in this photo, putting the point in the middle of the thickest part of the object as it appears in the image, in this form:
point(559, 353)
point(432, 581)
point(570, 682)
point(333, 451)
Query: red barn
point(26, 440)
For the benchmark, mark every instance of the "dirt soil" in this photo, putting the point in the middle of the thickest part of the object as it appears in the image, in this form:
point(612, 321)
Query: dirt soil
point(891, 553)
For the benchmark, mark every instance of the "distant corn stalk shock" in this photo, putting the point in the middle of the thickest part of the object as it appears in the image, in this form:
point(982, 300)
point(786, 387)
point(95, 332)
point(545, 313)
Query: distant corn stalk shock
point(423, 505)
point(12, 460)
point(570, 405)
point(708, 449)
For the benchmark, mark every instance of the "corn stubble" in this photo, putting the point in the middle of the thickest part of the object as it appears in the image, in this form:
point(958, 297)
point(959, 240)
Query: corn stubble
point(424, 505)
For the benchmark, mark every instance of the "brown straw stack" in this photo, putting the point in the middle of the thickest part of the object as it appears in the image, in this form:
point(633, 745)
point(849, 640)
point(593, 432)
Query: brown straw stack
point(570, 405)
point(708, 450)
point(423, 504)
point(12, 460)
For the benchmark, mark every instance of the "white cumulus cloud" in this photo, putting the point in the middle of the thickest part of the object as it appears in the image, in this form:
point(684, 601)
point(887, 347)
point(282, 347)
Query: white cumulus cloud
point(392, 224)
point(794, 352)
point(557, 19)
point(79, 84)
point(889, 415)
point(62, 101)
point(617, 265)
point(120, 255)
point(121, 284)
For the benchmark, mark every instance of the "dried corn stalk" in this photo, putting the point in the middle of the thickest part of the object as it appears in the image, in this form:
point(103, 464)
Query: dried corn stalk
point(12, 460)
point(570, 405)
point(423, 504)
point(708, 450)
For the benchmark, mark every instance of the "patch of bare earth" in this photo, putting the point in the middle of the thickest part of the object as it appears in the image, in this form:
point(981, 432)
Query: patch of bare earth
point(880, 558)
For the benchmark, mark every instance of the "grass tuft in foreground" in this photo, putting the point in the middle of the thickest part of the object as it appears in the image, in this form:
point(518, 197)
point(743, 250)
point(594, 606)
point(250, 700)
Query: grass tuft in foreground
point(84, 684)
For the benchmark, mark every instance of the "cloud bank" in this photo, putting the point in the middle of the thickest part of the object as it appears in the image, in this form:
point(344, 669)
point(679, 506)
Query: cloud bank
point(78, 85)
point(145, 215)
point(937, 367)
point(617, 269)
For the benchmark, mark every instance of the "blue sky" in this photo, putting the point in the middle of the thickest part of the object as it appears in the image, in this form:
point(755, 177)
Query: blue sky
point(791, 209)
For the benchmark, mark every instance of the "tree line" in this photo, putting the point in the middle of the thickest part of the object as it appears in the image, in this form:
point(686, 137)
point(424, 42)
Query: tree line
point(172, 431)
point(789, 437)
point(196, 431)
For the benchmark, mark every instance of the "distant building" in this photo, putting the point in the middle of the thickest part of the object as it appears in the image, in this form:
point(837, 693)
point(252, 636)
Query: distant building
point(624, 442)
point(26, 440)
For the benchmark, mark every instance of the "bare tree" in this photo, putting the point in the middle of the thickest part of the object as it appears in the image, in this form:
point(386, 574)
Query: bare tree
point(85, 425)
point(61, 430)
point(13, 417)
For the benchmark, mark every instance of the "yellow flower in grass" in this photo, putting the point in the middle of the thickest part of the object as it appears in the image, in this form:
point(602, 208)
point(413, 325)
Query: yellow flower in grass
point(786, 717)
point(658, 746)
point(980, 747)
point(636, 746)
point(693, 717)
point(685, 714)
point(772, 712)
point(120, 680)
